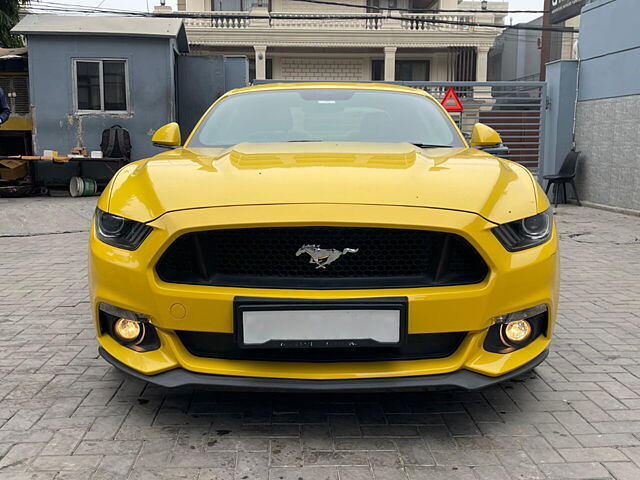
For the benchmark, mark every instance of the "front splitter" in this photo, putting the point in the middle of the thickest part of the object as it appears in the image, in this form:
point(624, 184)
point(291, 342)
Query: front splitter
point(179, 377)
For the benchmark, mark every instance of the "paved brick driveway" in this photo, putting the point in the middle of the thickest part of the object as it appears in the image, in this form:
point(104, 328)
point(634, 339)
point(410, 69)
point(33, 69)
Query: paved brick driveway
point(65, 414)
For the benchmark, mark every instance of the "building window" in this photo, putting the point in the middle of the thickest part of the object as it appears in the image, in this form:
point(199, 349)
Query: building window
point(236, 5)
point(376, 6)
point(382, 3)
point(418, 6)
point(101, 85)
point(406, 70)
point(412, 70)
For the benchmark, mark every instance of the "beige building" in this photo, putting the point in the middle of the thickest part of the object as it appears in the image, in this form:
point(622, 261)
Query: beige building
point(300, 39)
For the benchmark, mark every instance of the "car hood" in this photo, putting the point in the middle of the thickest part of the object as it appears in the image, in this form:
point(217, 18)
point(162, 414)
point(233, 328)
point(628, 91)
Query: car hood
point(400, 174)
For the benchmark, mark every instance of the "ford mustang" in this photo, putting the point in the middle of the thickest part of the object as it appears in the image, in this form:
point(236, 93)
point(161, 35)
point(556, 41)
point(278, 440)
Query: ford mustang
point(324, 236)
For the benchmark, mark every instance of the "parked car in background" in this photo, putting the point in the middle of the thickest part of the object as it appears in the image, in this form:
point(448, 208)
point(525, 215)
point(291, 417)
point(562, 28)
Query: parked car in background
point(324, 236)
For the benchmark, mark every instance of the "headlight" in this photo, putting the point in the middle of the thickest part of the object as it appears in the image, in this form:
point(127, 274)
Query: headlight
point(120, 232)
point(526, 233)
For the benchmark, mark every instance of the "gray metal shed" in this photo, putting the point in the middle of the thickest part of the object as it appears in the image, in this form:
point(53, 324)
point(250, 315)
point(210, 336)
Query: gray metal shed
point(89, 73)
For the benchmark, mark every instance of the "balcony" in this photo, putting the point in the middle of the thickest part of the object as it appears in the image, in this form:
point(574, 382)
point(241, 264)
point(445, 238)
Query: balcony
point(260, 18)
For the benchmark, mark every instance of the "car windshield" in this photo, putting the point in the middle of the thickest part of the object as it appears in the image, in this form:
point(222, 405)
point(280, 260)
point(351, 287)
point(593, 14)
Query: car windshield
point(326, 115)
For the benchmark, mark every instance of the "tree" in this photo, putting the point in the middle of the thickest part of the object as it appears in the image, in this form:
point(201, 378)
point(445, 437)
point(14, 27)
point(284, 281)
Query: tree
point(9, 16)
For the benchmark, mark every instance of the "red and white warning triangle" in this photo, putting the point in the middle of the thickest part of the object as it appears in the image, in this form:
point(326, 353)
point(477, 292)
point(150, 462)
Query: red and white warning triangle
point(451, 102)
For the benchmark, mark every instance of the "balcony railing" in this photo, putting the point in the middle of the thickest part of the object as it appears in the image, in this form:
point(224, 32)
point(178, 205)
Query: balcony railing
point(223, 20)
point(351, 21)
point(437, 22)
point(331, 21)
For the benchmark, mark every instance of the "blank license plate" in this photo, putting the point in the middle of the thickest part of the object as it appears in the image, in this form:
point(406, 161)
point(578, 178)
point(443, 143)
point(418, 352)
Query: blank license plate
point(320, 328)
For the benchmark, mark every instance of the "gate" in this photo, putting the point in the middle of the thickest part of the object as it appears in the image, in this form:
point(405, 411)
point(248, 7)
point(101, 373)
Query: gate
point(515, 110)
point(16, 89)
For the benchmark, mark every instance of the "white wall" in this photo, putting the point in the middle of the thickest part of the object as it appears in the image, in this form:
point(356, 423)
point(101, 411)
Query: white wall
point(197, 5)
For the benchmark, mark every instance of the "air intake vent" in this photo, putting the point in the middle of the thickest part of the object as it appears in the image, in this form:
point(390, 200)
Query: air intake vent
point(266, 258)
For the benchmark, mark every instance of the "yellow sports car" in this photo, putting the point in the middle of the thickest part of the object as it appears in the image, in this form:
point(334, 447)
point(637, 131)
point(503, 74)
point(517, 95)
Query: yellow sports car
point(324, 236)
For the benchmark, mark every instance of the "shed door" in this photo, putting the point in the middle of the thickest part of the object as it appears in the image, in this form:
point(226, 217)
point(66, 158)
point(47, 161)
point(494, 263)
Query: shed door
point(201, 80)
point(200, 83)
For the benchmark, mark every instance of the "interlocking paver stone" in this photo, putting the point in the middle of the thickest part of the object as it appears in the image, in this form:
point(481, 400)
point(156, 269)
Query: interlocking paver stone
point(66, 414)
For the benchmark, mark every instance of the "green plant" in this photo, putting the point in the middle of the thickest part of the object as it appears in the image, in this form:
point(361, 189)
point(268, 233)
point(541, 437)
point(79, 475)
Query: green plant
point(9, 16)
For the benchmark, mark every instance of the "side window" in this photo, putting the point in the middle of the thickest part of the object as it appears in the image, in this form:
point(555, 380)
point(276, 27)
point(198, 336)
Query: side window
point(101, 85)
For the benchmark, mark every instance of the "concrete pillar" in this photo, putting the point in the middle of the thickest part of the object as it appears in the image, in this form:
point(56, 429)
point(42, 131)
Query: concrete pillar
point(390, 63)
point(391, 21)
point(481, 63)
point(197, 6)
point(482, 59)
point(261, 61)
point(259, 17)
point(449, 5)
point(160, 9)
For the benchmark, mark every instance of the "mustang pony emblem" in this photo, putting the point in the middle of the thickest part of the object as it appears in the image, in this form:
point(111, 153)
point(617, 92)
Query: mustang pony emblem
point(323, 256)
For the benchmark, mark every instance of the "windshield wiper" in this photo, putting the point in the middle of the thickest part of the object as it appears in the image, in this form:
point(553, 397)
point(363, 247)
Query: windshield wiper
point(300, 141)
point(429, 145)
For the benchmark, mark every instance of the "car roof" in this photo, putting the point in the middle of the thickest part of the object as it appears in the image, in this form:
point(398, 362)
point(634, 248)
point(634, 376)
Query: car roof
point(390, 87)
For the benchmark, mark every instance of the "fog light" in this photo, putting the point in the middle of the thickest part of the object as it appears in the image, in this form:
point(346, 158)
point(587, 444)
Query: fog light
point(127, 330)
point(130, 329)
point(518, 331)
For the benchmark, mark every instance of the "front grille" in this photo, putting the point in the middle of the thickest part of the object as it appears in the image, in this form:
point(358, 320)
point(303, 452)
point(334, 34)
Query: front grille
point(266, 258)
point(417, 346)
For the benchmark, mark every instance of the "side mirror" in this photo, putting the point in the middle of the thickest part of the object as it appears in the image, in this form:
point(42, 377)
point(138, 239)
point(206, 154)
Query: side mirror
point(167, 136)
point(484, 136)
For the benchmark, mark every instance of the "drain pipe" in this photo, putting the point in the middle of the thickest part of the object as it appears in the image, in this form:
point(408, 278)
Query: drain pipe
point(575, 106)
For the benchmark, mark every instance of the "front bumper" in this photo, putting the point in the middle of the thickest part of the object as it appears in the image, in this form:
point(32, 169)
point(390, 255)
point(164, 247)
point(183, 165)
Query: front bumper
point(465, 379)
point(518, 280)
